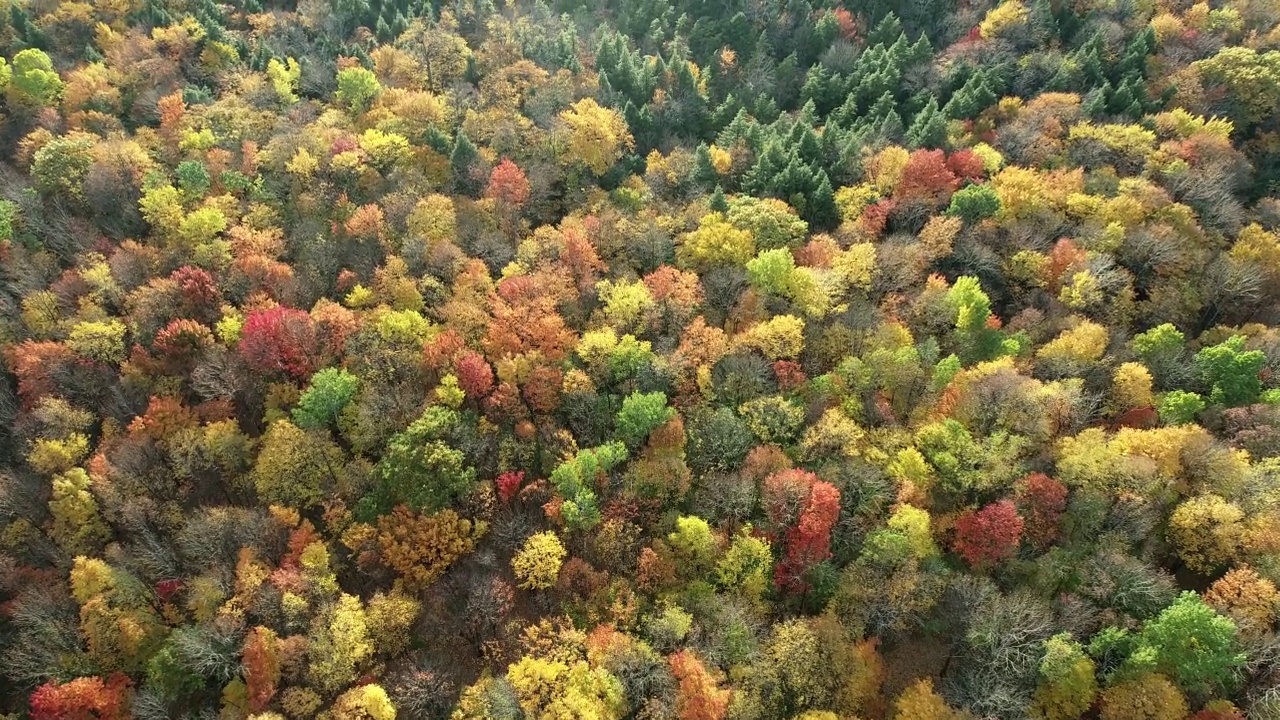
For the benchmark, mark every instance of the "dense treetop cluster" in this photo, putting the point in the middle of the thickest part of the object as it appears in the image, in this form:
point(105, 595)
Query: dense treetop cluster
point(591, 360)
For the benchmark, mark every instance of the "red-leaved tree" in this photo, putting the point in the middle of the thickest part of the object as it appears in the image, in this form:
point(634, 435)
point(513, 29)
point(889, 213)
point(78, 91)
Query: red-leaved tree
point(475, 376)
point(279, 339)
point(508, 184)
point(85, 698)
point(926, 177)
point(200, 295)
point(1042, 501)
point(966, 165)
point(803, 510)
point(987, 536)
point(508, 484)
point(261, 659)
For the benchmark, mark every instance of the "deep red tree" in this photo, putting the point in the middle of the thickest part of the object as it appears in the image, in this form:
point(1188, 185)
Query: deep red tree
point(809, 541)
point(279, 339)
point(802, 510)
point(966, 165)
point(987, 536)
point(508, 484)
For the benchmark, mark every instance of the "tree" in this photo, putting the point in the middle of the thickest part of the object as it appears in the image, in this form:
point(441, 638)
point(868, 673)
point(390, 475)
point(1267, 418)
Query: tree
point(1250, 600)
point(84, 698)
point(62, 164)
point(1231, 371)
point(694, 544)
point(1042, 501)
point(974, 203)
point(772, 223)
point(420, 547)
point(715, 242)
point(1207, 532)
point(641, 413)
point(920, 701)
point(597, 136)
point(537, 564)
point(576, 478)
point(1193, 645)
point(987, 536)
point(746, 564)
point(364, 702)
point(1131, 387)
point(33, 83)
point(466, 165)
point(77, 526)
point(261, 658)
point(475, 376)
point(929, 128)
point(1161, 351)
point(357, 87)
point(296, 468)
point(508, 184)
point(99, 341)
point(279, 340)
point(1179, 407)
point(805, 509)
point(927, 178)
point(698, 696)
point(1251, 80)
point(1149, 697)
point(1067, 686)
point(419, 468)
point(339, 645)
point(972, 308)
point(321, 404)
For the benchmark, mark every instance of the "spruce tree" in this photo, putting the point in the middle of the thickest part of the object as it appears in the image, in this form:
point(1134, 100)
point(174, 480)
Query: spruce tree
point(464, 161)
point(719, 203)
point(929, 129)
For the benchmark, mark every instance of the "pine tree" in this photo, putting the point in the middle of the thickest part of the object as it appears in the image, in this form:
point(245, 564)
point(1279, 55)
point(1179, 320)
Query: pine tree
point(822, 205)
point(464, 161)
point(929, 129)
point(718, 202)
point(704, 173)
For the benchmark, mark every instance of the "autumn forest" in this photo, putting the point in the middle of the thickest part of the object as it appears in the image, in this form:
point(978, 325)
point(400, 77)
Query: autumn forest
point(639, 359)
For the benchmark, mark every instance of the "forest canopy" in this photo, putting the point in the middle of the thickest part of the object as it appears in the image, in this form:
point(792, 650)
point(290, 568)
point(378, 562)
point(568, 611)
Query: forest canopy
point(688, 360)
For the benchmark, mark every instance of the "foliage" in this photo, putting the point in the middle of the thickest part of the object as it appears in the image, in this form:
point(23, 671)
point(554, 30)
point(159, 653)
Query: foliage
point(322, 403)
point(1193, 645)
point(420, 548)
point(538, 562)
point(753, 337)
point(989, 535)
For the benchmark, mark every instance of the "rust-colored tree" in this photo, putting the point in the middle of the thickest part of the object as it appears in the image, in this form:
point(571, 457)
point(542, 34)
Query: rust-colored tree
point(698, 696)
point(508, 184)
point(987, 536)
point(85, 698)
point(279, 340)
point(1042, 501)
point(261, 660)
